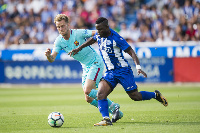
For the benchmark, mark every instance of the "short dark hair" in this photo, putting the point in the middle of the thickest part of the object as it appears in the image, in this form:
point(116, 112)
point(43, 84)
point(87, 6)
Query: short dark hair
point(101, 19)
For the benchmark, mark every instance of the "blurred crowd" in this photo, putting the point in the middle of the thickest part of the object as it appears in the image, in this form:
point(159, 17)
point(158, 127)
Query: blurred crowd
point(32, 21)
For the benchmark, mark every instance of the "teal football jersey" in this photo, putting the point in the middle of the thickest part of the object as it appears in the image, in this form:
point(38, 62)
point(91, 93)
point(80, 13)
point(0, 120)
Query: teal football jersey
point(77, 37)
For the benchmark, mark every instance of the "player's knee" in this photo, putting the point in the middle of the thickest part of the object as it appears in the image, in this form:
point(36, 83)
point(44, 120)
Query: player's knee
point(135, 96)
point(101, 95)
point(88, 99)
point(86, 91)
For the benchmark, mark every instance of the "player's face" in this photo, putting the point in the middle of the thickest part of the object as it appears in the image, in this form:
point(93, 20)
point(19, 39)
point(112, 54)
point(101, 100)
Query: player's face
point(103, 30)
point(62, 27)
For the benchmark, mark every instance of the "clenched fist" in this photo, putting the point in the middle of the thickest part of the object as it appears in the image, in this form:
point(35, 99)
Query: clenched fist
point(48, 52)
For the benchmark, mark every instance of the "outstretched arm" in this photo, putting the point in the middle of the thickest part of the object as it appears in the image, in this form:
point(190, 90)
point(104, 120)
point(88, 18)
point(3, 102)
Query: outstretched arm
point(89, 42)
point(131, 52)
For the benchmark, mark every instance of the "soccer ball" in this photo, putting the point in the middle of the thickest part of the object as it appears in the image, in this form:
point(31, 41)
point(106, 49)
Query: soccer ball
point(55, 119)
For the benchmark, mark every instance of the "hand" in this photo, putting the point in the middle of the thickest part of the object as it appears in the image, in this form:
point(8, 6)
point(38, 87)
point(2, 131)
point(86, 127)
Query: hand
point(142, 72)
point(48, 52)
point(73, 52)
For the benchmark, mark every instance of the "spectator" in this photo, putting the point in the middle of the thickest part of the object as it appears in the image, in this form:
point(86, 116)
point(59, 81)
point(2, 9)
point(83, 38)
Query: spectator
point(168, 34)
point(124, 31)
point(160, 38)
point(140, 20)
point(172, 22)
point(46, 14)
point(51, 34)
point(177, 11)
point(190, 32)
point(197, 33)
point(145, 34)
point(134, 33)
point(178, 34)
point(37, 5)
point(85, 17)
point(188, 9)
point(94, 14)
point(21, 6)
point(114, 25)
point(196, 18)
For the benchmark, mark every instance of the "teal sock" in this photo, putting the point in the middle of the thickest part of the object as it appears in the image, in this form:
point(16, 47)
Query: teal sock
point(94, 103)
point(110, 106)
point(93, 94)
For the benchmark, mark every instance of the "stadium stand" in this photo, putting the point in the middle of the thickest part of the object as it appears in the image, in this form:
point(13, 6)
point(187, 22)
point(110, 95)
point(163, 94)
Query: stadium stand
point(31, 21)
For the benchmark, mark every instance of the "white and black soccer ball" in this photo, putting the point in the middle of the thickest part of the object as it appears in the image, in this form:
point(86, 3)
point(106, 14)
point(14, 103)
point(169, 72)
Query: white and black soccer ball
point(55, 119)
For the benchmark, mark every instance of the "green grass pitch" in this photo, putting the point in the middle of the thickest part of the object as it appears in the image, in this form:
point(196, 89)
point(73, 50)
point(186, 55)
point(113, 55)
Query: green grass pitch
point(24, 109)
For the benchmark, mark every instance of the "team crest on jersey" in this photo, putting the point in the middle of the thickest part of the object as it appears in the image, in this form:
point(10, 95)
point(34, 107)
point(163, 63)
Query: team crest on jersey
point(108, 42)
point(76, 43)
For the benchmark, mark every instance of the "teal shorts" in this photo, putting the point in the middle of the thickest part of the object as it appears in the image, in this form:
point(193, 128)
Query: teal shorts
point(93, 71)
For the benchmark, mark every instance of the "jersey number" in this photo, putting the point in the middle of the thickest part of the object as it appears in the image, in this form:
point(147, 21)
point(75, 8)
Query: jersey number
point(105, 48)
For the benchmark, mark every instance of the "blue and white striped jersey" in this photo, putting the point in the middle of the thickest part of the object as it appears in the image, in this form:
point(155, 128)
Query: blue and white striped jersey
point(111, 50)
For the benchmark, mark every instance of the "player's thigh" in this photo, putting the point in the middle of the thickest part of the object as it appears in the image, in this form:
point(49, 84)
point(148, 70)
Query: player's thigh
point(92, 75)
point(127, 80)
point(95, 73)
point(89, 85)
point(109, 77)
point(104, 90)
point(84, 76)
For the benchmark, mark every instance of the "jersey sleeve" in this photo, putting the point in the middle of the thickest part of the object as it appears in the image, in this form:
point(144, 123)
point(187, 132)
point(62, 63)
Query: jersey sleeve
point(86, 33)
point(56, 46)
point(95, 36)
point(122, 43)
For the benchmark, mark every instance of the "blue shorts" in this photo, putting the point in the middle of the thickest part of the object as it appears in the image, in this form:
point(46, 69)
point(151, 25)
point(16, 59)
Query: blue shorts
point(124, 76)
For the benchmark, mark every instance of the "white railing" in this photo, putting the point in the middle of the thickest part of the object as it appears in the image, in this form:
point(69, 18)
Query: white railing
point(139, 44)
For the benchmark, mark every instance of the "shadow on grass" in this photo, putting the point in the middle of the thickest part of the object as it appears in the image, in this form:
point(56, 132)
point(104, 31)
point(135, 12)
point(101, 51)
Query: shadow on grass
point(162, 123)
point(69, 127)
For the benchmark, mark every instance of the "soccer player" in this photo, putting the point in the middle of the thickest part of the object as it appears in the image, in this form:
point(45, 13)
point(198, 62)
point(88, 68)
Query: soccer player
point(111, 45)
point(91, 62)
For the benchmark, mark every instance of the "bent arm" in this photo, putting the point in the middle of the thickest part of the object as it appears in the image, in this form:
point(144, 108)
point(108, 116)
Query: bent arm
point(50, 56)
point(89, 42)
point(131, 52)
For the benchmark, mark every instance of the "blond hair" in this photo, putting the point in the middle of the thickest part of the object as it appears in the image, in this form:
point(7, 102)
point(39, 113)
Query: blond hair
point(61, 17)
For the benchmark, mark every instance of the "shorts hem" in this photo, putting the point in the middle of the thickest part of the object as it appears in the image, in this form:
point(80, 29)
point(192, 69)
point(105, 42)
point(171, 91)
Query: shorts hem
point(112, 88)
point(132, 91)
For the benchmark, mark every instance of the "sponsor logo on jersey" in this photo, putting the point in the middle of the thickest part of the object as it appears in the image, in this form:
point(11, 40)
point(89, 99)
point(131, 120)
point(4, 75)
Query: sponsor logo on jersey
point(86, 32)
point(108, 42)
